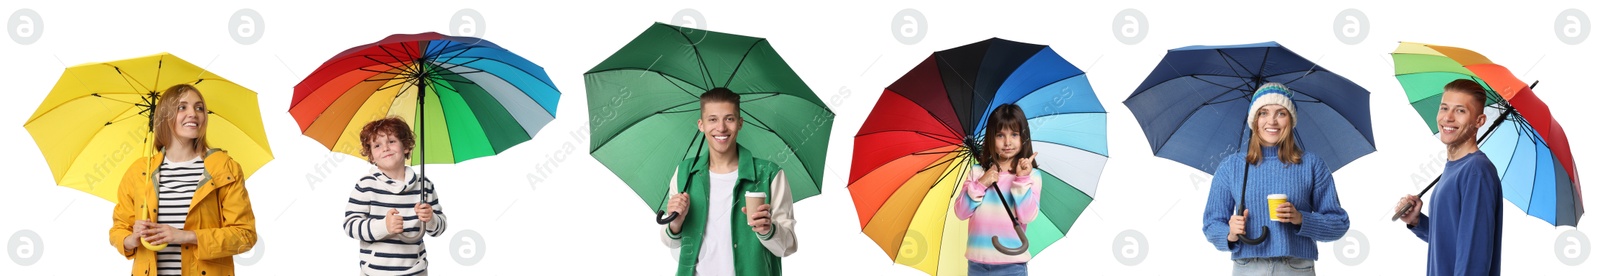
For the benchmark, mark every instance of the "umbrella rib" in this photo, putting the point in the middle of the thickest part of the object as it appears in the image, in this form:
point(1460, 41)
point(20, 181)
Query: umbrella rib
point(746, 56)
point(132, 83)
point(705, 70)
point(675, 84)
point(1071, 146)
point(595, 146)
point(930, 114)
point(406, 59)
point(896, 191)
point(1231, 65)
point(404, 70)
point(791, 149)
point(1186, 118)
point(924, 134)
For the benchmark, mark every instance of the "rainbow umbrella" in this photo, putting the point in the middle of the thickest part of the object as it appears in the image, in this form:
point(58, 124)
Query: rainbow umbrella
point(915, 149)
point(464, 97)
point(1528, 147)
point(95, 123)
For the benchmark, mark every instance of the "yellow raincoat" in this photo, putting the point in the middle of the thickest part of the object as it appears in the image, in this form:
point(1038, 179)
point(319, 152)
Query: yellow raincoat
point(219, 215)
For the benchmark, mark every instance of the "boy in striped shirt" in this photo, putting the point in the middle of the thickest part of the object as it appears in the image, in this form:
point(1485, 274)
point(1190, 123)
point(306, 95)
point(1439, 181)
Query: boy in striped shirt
point(392, 207)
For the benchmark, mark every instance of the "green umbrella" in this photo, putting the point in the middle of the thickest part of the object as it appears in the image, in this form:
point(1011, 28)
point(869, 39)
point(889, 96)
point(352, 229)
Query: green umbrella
point(645, 98)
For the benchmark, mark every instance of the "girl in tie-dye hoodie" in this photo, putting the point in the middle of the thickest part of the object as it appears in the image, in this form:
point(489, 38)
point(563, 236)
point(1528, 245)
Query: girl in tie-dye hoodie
point(1004, 172)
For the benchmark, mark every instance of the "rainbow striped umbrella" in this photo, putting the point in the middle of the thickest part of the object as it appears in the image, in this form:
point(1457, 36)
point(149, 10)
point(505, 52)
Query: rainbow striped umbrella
point(465, 97)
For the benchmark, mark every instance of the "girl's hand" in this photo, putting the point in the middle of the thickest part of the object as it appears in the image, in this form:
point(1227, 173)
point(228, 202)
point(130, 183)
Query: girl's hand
point(990, 176)
point(1025, 165)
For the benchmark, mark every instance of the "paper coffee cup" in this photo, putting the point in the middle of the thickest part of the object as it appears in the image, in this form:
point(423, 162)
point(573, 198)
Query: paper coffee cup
point(1273, 200)
point(754, 199)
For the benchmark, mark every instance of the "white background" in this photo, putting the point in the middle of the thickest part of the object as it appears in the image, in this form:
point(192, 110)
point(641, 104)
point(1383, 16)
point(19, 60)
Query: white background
point(574, 217)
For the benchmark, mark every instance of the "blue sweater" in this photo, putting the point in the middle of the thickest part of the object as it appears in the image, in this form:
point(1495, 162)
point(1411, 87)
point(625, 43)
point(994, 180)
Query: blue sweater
point(1463, 233)
point(1309, 186)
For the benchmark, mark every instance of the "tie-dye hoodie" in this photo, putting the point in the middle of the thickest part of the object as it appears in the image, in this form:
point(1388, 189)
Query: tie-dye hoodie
point(988, 218)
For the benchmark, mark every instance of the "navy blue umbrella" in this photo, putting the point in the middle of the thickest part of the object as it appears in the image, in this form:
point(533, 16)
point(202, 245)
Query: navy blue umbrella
point(1192, 107)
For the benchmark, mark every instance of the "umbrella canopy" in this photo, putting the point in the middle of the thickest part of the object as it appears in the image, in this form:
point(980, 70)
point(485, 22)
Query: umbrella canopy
point(1192, 107)
point(95, 122)
point(464, 97)
point(645, 98)
point(916, 146)
point(1528, 147)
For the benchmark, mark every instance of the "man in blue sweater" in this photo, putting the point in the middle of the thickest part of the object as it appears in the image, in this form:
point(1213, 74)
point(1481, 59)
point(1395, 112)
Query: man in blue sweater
point(1463, 226)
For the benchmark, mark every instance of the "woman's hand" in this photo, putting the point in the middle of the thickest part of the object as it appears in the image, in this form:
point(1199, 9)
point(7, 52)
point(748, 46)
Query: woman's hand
point(166, 234)
point(1287, 213)
point(1236, 226)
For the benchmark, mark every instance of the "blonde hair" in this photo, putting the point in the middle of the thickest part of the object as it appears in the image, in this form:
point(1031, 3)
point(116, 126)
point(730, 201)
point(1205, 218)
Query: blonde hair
point(164, 118)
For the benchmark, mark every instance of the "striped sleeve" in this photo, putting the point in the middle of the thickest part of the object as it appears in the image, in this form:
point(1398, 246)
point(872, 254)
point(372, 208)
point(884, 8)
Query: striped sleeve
point(437, 226)
point(358, 222)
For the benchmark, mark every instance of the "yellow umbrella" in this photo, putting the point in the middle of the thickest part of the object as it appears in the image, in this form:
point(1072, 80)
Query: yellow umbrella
point(95, 123)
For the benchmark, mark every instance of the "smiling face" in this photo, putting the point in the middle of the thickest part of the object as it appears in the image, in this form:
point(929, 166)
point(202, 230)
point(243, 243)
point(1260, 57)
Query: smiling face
point(1272, 124)
point(179, 118)
point(387, 152)
point(190, 117)
point(1008, 143)
point(1460, 116)
point(720, 122)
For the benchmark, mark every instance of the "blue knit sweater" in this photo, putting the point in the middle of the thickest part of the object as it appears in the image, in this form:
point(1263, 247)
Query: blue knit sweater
point(1309, 186)
point(1463, 223)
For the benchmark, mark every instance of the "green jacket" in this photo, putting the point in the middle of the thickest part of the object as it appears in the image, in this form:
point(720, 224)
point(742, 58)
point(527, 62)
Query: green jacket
point(754, 254)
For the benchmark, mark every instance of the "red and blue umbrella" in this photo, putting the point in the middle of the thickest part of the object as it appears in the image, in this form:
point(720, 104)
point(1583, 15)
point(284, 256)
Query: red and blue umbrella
point(1528, 147)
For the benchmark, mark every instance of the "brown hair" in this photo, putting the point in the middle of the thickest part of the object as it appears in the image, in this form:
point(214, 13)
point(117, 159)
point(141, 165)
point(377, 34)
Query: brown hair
point(1288, 151)
point(1006, 116)
point(1471, 88)
point(392, 126)
point(719, 95)
point(165, 117)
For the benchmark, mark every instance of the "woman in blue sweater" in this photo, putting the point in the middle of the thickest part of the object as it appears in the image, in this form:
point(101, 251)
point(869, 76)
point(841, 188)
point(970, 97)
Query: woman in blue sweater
point(1276, 165)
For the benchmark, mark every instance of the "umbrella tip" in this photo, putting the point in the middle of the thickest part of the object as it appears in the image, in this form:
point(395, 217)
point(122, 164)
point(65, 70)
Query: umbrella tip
point(1535, 83)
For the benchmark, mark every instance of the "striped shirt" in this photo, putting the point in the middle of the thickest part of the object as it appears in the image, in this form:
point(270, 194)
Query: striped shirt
point(178, 181)
point(384, 253)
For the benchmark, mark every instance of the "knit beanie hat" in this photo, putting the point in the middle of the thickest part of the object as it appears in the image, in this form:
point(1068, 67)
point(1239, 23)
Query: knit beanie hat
point(1270, 93)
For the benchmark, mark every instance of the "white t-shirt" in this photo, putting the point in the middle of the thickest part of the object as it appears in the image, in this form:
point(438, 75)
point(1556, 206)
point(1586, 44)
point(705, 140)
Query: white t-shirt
point(716, 248)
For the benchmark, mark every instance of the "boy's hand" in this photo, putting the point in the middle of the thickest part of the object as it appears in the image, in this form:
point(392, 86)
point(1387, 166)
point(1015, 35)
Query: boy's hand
point(393, 222)
point(678, 203)
point(760, 220)
point(424, 212)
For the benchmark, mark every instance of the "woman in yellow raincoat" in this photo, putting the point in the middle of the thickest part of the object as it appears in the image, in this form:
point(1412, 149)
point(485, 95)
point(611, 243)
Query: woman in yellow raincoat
point(185, 210)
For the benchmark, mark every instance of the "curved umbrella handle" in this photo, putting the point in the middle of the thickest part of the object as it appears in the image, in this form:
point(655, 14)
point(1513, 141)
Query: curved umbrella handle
point(1011, 251)
point(1258, 239)
point(663, 218)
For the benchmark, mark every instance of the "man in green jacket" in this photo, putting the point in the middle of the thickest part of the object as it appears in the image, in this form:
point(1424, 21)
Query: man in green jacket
point(716, 234)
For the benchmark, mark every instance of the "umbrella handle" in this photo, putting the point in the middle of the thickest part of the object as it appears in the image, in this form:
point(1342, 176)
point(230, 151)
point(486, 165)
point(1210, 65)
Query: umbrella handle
point(1256, 240)
point(1015, 225)
point(1011, 251)
point(663, 218)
